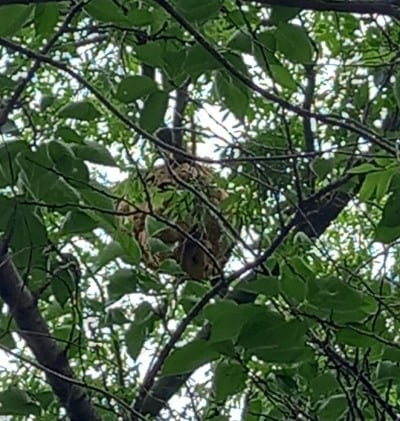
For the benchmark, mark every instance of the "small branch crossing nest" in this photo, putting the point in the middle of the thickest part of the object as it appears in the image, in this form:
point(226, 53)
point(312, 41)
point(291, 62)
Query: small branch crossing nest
point(196, 237)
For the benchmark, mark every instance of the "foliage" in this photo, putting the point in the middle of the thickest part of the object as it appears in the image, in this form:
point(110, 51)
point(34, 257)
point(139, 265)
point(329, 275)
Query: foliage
point(297, 112)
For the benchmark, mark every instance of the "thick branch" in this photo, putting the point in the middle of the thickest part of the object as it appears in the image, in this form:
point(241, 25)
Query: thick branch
point(386, 7)
point(33, 329)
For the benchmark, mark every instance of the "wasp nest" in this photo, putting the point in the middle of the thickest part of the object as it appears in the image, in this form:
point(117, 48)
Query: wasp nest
point(207, 248)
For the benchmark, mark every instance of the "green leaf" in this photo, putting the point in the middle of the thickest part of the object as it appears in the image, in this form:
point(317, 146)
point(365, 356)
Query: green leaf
point(140, 17)
point(9, 128)
point(227, 319)
point(387, 371)
point(325, 384)
point(396, 89)
point(116, 316)
point(8, 207)
point(109, 253)
point(99, 198)
point(293, 287)
point(369, 185)
point(293, 42)
point(391, 353)
point(332, 408)
point(194, 10)
point(6, 83)
point(94, 152)
point(335, 294)
point(234, 98)
point(130, 246)
point(153, 112)
point(241, 41)
point(266, 285)
point(154, 226)
point(135, 338)
point(45, 399)
point(390, 214)
point(283, 76)
point(46, 18)
point(122, 282)
point(172, 65)
point(46, 101)
point(263, 336)
point(361, 96)
point(68, 134)
point(189, 357)
point(63, 285)
point(384, 182)
point(106, 11)
point(265, 331)
point(12, 18)
point(14, 401)
point(9, 168)
point(62, 156)
point(191, 294)
point(144, 313)
point(29, 238)
point(150, 53)
point(6, 339)
point(265, 46)
point(322, 167)
point(170, 267)
point(67, 337)
point(388, 228)
point(355, 338)
point(78, 222)
point(283, 14)
point(387, 235)
point(255, 407)
point(363, 168)
point(158, 246)
point(337, 300)
point(230, 378)
point(82, 110)
point(134, 87)
point(293, 354)
point(199, 60)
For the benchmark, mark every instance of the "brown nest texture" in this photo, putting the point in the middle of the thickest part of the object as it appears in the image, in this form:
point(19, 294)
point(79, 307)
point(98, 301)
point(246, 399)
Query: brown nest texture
point(194, 236)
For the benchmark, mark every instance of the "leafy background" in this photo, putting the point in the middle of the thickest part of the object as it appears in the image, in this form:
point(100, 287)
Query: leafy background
point(297, 110)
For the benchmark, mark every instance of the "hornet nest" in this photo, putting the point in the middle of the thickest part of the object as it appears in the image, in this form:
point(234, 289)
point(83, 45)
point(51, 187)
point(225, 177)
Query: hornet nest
point(207, 248)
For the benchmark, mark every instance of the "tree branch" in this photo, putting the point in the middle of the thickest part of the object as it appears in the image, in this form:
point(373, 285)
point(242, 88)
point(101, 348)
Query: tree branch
point(149, 401)
point(384, 7)
point(5, 111)
point(347, 124)
point(318, 213)
point(34, 330)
